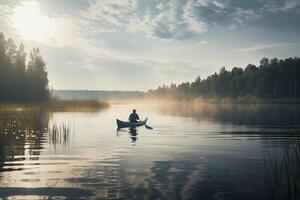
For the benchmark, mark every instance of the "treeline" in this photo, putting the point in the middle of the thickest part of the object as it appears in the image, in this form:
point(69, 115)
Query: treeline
point(22, 78)
point(273, 78)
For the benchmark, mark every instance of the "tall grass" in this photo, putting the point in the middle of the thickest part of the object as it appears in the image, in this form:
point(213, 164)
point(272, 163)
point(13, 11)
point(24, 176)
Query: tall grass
point(75, 105)
point(59, 134)
point(55, 105)
point(12, 106)
point(284, 173)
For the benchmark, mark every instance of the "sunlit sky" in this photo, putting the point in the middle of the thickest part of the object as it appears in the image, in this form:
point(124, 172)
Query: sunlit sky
point(141, 44)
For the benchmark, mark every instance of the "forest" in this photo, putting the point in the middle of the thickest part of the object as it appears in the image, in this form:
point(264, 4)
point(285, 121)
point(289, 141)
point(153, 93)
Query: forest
point(22, 78)
point(272, 79)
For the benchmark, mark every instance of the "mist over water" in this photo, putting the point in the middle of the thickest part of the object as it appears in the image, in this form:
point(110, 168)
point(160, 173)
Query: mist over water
point(193, 152)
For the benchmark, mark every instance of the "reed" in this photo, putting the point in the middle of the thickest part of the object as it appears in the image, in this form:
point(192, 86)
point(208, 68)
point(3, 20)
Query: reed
point(284, 172)
point(15, 106)
point(59, 134)
point(75, 105)
point(55, 105)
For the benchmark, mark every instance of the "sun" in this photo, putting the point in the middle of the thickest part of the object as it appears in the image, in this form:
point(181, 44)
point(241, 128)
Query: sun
point(31, 24)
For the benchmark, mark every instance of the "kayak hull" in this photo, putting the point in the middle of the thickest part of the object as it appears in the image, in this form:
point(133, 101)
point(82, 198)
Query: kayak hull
point(122, 124)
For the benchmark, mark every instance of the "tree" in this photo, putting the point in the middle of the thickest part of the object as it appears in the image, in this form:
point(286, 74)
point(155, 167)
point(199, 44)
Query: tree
point(3, 66)
point(264, 62)
point(18, 81)
point(272, 79)
point(38, 76)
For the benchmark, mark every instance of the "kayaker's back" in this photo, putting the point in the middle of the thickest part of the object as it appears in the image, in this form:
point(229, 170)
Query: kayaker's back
point(133, 117)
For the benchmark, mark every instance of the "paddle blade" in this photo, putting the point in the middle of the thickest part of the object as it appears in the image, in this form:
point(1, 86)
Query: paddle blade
point(148, 127)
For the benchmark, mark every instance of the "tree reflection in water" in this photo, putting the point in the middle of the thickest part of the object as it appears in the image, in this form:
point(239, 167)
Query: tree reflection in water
point(261, 115)
point(21, 133)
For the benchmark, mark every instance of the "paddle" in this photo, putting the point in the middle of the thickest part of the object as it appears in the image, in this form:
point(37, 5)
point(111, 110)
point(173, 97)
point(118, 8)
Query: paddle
point(148, 127)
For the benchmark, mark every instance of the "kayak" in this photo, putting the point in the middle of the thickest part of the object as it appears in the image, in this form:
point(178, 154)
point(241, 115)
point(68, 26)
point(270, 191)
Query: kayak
point(122, 124)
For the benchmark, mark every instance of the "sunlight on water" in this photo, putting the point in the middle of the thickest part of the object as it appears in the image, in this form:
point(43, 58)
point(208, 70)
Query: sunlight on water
point(212, 152)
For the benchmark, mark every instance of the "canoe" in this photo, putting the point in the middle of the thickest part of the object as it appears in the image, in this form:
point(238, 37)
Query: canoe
point(122, 124)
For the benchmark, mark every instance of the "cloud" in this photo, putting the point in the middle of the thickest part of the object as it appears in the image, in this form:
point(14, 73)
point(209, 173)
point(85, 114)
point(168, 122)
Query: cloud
point(291, 4)
point(282, 6)
point(112, 15)
point(173, 19)
point(5, 12)
point(167, 19)
point(263, 46)
point(192, 18)
point(202, 42)
point(70, 31)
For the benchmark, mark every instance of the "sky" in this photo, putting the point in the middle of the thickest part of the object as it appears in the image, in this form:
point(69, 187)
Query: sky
point(141, 44)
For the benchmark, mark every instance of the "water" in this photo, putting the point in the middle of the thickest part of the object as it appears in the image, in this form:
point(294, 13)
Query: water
point(193, 152)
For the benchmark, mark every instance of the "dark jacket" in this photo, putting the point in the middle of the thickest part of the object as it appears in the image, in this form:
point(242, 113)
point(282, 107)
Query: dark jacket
point(133, 117)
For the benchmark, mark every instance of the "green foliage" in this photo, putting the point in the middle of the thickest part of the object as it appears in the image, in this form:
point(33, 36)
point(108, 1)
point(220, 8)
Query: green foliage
point(272, 79)
point(20, 81)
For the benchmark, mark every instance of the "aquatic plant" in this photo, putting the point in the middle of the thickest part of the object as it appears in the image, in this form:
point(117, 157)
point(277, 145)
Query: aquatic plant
point(56, 105)
point(59, 134)
point(76, 105)
point(284, 172)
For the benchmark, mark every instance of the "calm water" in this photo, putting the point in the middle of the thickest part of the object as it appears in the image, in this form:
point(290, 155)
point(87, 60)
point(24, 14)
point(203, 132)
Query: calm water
point(193, 152)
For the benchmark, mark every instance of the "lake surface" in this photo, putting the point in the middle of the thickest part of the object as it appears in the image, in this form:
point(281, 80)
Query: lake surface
point(193, 152)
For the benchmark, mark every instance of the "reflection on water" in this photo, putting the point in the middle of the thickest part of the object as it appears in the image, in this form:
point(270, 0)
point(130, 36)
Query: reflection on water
point(132, 131)
point(22, 133)
point(238, 114)
point(193, 152)
point(133, 134)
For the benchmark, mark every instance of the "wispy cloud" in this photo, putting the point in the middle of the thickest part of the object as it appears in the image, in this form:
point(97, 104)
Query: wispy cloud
point(282, 6)
point(164, 19)
point(263, 46)
point(202, 42)
point(291, 4)
point(167, 19)
point(190, 15)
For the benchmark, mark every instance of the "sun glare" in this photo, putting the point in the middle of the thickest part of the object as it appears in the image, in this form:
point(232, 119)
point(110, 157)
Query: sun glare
point(31, 24)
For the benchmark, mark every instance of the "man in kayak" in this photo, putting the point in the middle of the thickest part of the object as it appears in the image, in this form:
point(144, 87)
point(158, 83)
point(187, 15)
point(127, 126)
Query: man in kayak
point(133, 117)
